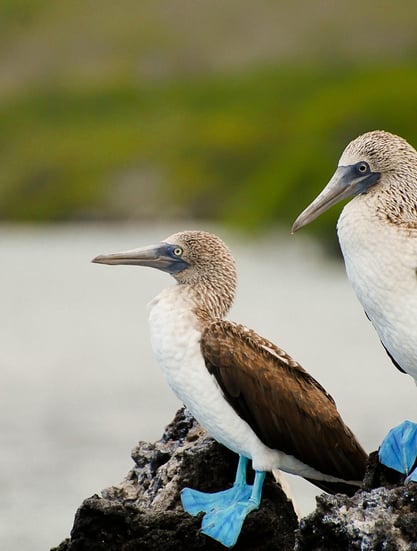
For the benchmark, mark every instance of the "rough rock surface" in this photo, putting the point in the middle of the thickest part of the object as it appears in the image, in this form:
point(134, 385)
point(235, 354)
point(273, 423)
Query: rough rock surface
point(383, 516)
point(144, 512)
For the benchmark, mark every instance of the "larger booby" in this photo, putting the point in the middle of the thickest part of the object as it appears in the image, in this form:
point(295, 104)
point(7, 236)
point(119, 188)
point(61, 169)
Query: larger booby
point(246, 392)
point(377, 232)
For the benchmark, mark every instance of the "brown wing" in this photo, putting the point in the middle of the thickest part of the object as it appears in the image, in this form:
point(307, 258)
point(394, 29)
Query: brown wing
point(286, 407)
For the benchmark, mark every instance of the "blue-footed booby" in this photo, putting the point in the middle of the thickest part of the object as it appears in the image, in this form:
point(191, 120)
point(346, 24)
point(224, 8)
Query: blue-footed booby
point(377, 232)
point(247, 393)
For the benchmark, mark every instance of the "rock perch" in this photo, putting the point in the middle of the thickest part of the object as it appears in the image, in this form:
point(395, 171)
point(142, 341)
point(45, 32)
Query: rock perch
point(144, 513)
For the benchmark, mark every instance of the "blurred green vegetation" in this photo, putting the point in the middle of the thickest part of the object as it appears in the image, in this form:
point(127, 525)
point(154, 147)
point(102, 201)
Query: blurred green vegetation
point(249, 149)
point(250, 145)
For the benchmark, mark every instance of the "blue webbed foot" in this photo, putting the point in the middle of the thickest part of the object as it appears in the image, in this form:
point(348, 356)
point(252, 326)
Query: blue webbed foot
point(399, 449)
point(224, 525)
point(225, 511)
point(195, 502)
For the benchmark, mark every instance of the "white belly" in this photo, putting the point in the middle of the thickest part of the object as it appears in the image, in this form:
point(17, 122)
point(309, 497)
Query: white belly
point(381, 263)
point(179, 356)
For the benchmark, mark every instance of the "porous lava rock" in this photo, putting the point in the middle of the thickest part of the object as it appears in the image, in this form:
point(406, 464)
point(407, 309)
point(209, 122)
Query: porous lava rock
point(144, 512)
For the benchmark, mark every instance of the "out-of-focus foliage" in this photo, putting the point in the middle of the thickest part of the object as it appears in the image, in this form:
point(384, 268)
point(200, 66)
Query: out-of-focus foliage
point(248, 144)
point(251, 150)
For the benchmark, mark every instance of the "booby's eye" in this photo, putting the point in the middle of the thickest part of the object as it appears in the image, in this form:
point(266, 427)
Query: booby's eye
point(362, 168)
point(177, 251)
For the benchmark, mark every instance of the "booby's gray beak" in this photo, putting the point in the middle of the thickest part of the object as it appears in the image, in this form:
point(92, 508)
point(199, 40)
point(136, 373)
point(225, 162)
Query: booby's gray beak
point(162, 256)
point(345, 183)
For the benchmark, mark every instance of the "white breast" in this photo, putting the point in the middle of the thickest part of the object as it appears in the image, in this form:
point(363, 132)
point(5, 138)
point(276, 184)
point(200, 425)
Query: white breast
point(381, 263)
point(175, 339)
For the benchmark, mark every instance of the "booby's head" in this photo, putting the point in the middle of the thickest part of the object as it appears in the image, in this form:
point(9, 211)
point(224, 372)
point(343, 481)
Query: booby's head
point(196, 258)
point(374, 160)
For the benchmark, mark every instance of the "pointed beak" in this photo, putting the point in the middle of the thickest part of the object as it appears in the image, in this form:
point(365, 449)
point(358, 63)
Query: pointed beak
point(155, 256)
point(345, 183)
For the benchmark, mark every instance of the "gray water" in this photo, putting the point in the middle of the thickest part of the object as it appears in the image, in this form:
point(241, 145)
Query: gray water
point(79, 385)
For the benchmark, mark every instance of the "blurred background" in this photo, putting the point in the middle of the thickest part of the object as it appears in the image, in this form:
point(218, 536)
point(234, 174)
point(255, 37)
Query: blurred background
point(122, 122)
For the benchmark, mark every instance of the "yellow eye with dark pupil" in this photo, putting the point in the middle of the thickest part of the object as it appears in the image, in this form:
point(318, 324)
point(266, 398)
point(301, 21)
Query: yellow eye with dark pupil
point(177, 251)
point(363, 167)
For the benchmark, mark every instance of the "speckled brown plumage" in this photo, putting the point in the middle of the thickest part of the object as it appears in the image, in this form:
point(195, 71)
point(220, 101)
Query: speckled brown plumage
point(395, 159)
point(211, 274)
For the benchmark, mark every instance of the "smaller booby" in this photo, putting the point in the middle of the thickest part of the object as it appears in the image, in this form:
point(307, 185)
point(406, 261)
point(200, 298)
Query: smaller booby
point(377, 232)
point(246, 392)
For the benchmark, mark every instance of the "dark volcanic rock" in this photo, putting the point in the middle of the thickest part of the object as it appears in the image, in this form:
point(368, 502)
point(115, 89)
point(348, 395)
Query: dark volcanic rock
point(378, 475)
point(383, 519)
point(145, 513)
point(375, 519)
